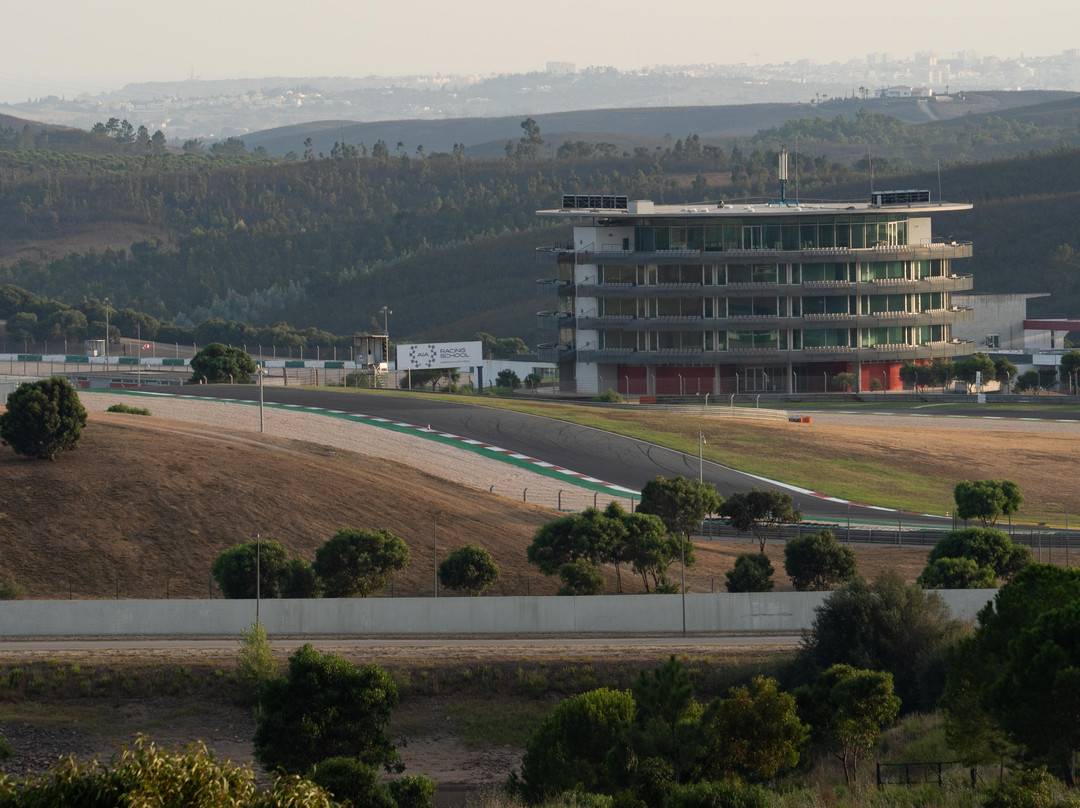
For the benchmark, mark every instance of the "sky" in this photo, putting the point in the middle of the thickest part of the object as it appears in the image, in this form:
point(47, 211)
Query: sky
point(69, 47)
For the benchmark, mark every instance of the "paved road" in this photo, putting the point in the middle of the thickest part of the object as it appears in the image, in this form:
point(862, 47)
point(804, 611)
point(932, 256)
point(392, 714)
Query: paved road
point(669, 641)
point(614, 458)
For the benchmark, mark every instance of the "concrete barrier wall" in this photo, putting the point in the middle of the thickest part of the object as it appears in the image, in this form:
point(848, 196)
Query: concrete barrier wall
point(633, 614)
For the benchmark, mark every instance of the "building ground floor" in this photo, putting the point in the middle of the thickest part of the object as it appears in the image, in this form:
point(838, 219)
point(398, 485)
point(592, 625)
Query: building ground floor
point(720, 380)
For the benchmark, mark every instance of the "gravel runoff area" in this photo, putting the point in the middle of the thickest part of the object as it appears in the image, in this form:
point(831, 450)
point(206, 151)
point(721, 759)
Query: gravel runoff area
point(463, 466)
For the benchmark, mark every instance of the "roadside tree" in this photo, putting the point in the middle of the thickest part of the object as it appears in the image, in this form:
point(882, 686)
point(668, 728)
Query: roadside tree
point(754, 734)
point(973, 558)
point(682, 505)
point(218, 363)
point(650, 549)
point(975, 369)
point(43, 418)
point(753, 572)
point(1004, 371)
point(887, 625)
point(987, 500)
point(468, 569)
point(508, 379)
point(1017, 678)
point(818, 562)
point(325, 707)
point(358, 561)
point(569, 750)
point(847, 709)
point(956, 573)
point(279, 576)
point(761, 513)
point(1070, 369)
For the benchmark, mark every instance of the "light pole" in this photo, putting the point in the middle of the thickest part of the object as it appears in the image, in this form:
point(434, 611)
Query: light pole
point(261, 370)
point(700, 463)
point(386, 311)
point(106, 335)
point(435, 550)
point(258, 576)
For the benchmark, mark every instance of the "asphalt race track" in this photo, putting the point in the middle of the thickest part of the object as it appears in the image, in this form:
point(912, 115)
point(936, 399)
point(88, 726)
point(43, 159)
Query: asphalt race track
point(614, 458)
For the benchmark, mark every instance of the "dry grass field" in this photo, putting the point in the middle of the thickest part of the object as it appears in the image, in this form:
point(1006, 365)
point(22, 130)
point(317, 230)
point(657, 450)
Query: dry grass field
point(144, 505)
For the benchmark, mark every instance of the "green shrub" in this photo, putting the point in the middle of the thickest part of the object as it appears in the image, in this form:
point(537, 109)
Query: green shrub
point(124, 408)
point(349, 779)
point(712, 794)
point(412, 792)
point(1031, 788)
point(752, 573)
point(10, 589)
point(609, 397)
point(255, 665)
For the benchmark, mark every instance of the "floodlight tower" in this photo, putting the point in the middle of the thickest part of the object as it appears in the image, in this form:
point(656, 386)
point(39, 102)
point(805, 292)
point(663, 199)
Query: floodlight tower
point(783, 175)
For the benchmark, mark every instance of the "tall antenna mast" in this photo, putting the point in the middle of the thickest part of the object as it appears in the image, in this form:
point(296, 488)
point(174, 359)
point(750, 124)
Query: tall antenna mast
point(939, 197)
point(783, 175)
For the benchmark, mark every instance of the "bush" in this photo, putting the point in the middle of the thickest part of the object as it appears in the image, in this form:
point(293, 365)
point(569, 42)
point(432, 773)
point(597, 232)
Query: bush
point(358, 562)
point(609, 397)
point(1030, 788)
point(508, 379)
point(325, 707)
point(217, 363)
point(818, 562)
point(711, 794)
point(991, 554)
point(43, 418)
point(956, 573)
point(886, 625)
point(752, 573)
point(128, 410)
point(351, 780)
point(580, 577)
point(235, 569)
point(145, 775)
point(412, 792)
point(569, 750)
point(10, 589)
point(256, 665)
point(468, 569)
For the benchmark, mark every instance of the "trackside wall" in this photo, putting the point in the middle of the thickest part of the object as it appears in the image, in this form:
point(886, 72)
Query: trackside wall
point(705, 613)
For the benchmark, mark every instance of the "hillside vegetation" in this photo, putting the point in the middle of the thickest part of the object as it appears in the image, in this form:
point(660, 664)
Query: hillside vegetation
point(447, 240)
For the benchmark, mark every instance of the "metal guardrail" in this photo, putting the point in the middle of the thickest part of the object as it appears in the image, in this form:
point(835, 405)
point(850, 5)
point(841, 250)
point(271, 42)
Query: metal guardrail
point(1042, 541)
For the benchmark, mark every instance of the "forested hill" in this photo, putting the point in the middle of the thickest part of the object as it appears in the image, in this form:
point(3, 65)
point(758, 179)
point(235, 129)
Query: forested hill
point(444, 240)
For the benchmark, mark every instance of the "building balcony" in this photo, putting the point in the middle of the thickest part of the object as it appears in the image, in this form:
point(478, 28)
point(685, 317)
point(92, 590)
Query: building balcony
point(920, 252)
point(553, 319)
point(626, 322)
point(951, 283)
point(555, 352)
point(755, 356)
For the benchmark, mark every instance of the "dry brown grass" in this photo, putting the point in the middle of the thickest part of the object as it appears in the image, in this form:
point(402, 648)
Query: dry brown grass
point(145, 506)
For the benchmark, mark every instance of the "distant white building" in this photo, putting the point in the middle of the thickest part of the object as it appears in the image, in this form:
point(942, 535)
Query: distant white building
point(896, 91)
point(561, 68)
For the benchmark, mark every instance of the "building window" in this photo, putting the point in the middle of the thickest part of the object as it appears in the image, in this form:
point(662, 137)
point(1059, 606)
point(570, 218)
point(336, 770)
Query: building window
point(993, 341)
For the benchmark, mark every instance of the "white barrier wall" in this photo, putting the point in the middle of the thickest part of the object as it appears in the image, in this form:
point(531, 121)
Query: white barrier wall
point(788, 612)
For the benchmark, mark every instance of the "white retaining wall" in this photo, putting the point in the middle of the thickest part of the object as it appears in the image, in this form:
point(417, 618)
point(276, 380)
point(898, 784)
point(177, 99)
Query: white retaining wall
point(788, 612)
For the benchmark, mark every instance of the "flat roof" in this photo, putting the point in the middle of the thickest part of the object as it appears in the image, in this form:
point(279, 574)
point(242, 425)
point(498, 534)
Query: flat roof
point(642, 209)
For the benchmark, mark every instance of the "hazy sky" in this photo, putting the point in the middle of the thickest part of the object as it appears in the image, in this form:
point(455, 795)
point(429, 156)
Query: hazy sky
point(68, 47)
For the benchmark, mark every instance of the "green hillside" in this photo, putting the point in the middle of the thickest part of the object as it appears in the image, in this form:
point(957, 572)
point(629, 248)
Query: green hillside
point(447, 241)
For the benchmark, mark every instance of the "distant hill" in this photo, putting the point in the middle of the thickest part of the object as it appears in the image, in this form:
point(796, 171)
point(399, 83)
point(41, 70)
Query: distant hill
point(448, 241)
point(626, 128)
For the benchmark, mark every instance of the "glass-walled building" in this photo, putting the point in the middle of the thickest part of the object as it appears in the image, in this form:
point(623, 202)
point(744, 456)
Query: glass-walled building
point(773, 297)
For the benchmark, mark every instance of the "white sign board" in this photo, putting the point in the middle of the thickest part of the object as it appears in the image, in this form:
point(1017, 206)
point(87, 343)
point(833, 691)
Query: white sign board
point(425, 356)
